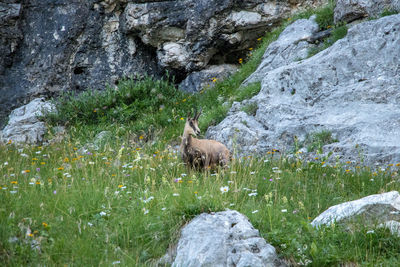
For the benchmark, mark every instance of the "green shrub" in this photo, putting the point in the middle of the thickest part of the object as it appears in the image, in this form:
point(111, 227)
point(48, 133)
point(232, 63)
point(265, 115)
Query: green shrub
point(317, 140)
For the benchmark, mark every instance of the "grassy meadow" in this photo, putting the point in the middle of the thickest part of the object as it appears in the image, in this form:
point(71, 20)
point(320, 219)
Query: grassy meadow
point(123, 201)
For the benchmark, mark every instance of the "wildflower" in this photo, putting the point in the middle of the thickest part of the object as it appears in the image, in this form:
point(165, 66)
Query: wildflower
point(13, 192)
point(30, 235)
point(42, 163)
point(347, 170)
point(141, 137)
point(45, 224)
point(145, 211)
point(120, 186)
point(255, 211)
point(182, 119)
point(224, 189)
point(60, 168)
point(26, 171)
point(66, 160)
point(252, 194)
point(214, 79)
point(55, 192)
point(370, 232)
point(102, 213)
point(195, 192)
point(14, 182)
point(259, 39)
point(91, 162)
point(9, 142)
point(240, 60)
point(90, 224)
point(252, 173)
point(175, 194)
point(284, 210)
point(251, 48)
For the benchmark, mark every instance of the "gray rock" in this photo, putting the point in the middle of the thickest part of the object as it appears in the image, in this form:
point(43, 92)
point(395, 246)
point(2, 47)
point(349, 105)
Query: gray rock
point(291, 46)
point(350, 10)
point(383, 209)
point(206, 78)
point(350, 89)
point(222, 239)
point(24, 125)
point(189, 34)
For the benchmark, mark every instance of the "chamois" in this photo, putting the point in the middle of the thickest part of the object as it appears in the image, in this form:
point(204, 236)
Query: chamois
point(201, 153)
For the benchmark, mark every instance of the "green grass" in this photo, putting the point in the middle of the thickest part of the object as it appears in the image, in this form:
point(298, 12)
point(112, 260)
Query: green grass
point(127, 203)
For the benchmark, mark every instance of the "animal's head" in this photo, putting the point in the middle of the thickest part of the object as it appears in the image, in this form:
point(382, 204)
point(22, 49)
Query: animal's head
point(192, 124)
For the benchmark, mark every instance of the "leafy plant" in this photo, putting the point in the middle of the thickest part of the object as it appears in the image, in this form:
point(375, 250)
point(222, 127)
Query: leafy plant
point(317, 140)
point(250, 108)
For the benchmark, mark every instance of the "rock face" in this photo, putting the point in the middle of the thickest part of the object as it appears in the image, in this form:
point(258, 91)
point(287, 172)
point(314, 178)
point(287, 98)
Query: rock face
point(350, 10)
point(291, 46)
point(223, 239)
point(206, 78)
point(24, 125)
point(381, 210)
point(191, 33)
point(51, 46)
point(350, 89)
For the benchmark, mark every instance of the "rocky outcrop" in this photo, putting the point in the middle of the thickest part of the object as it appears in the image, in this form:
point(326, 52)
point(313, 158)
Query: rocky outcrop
point(382, 210)
point(350, 10)
point(24, 125)
point(350, 89)
point(206, 78)
point(222, 239)
point(189, 34)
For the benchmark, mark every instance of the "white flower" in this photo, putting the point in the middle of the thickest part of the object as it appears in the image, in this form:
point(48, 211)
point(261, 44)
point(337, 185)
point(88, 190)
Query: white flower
point(252, 173)
point(90, 224)
point(13, 192)
point(145, 211)
point(224, 189)
point(255, 211)
point(5, 163)
point(148, 199)
point(175, 194)
point(91, 162)
point(370, 232)
point(163, 209)
point(230, 182)
point(252, 194)
point(284, 210)
point(102, 213)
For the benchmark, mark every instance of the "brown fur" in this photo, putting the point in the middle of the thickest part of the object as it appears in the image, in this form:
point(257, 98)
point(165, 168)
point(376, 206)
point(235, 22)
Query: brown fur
point(201, 153)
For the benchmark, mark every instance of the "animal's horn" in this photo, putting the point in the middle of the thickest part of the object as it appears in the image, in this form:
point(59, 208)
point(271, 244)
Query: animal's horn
point(198, 114)
point(195, 113)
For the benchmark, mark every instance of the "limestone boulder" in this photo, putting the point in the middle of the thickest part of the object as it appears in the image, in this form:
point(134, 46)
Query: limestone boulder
point(380, 210)
point(24, 125)
point(351, 90)
point(222, 239)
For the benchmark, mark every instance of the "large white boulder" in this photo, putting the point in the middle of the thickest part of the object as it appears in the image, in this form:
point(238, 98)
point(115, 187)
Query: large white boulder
point(223, 239)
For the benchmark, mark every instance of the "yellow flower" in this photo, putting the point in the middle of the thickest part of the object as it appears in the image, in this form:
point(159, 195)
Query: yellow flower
point(240, 60)
point(195, 192)
point(26, 171)
point(329, 26)
point(34, 159)
point(66, 159)
point(182, 119)
point(38, 182)
point(14, 182)
point(214, 79)
point(60, 168)
point(9, 142)
point(30, 235)
point(259, 39)
point(190, 181)
point(75, 148)
point(141, 137)
point(184, 100)
point(119, 186)
point(45, 224)
point(251, 48)
point(113, 174)
point(42, 163)
point(348, 170)
point(95, 110)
